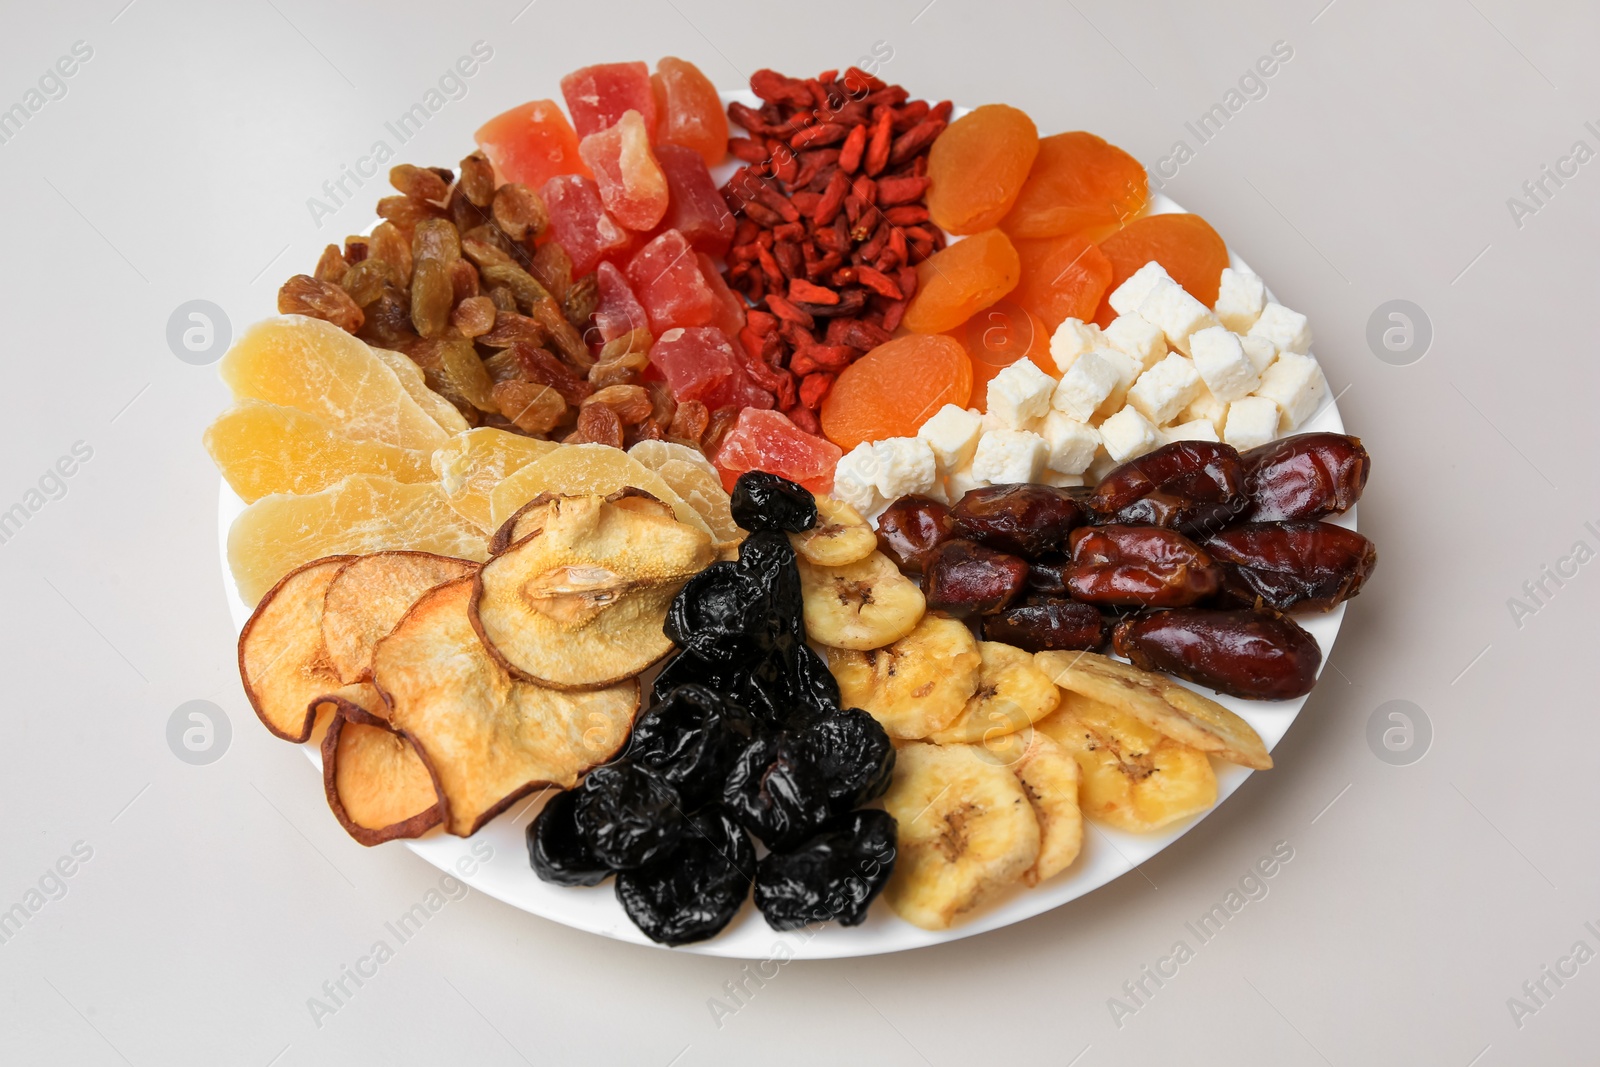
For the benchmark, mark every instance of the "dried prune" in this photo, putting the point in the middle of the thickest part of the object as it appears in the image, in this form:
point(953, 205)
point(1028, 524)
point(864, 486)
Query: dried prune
point(1252, 654)
point(767, 561)
point(1045, 623)
point(694, 891)
point(559, 854)
point(1140, 566)
point(763, 501)
point(964, 577)
point(1025, 520)
point(833, 877)
point(629, 814)
point(692, 736)
point(1305, 476)
point(912, 527)
point(714, 612)
point(777, 792)
point(1301, 566)
point(1189, 486)
point(853, 753)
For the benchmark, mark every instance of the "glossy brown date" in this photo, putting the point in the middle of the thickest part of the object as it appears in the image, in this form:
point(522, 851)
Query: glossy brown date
point(1305, 476)
point(912, 527)
point(1023, 519)
point(966, 578)
point(1299, 566)
point(1047, 575)
point(1189, 486)
point(1250, 654)
point(1139, 566)
point(1043, 624)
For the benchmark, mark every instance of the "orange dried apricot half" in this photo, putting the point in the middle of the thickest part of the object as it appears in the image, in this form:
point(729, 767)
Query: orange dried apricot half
point(895, 388)
point(1078, 181)
point(957, 282)
point(1191, 251)
point(977, 167)
point(1062, 278)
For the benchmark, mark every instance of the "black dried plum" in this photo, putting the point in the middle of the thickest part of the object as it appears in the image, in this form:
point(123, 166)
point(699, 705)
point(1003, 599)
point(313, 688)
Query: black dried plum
point(695, 890)
point(853, 754)
point(692, 736)
point(629, 814)
point(714, 612)
point(559, 854)
point(777, 793)
point(814, 683)
point(763, 501)
point(767, 565)
point(833, 877)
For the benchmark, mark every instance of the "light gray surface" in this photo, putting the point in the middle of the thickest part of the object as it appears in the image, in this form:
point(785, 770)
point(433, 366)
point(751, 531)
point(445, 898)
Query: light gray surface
point(219, 898)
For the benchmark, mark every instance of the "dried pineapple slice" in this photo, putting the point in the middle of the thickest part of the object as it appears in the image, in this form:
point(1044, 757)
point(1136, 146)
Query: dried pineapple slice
point(471, 464)
point(693, 478)
point(582, 470)
point(411, 379)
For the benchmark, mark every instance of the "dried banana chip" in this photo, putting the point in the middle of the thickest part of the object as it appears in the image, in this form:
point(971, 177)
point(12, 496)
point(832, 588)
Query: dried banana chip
point(1012, 694)
point(916, 686)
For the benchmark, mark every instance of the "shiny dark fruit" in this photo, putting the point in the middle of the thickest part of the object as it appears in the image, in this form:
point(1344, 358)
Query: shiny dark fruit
point(557, 851)
point(1047, 575)
point(1305, 476)
point(715, 613)
point(1189, 486)
point(1293, 566)
point(912, 527)
point(853, 754)
point(691, 737)
point(763, 501)
point(833, 877)
point(1139, 566)
point(694, 891)
point(1043, 624)
point(772, 577)
point(1024, 520)
point(777, 792)
point(1252, 654)
point(629, 814)
point(966, 578)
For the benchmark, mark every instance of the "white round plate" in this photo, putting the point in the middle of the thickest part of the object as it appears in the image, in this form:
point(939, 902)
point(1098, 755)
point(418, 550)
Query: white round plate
point(1107, 853)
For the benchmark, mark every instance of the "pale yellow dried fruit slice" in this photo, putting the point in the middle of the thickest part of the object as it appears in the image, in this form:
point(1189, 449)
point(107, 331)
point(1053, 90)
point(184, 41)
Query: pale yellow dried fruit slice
point(263, 448)
point(1134, 777)
point(840, 536)
point(486, 737)
point(363, 513)
point(283, 664)
point(412, 380)
point(915, 686)
point(1050, 776)
point(314, 366)
point(470, 465)
point(1159, 702)
point(581, 470)
point(377, 784)
point(862, 605)
point(1012, 694)
point(966, 831)
point(580, 604)
point(694, 479)
point(369, 595)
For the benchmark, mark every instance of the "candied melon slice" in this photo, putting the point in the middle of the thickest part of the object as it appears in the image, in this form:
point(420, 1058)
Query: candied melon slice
point(264, 448)
point(438, 408)
point(363, 513)
point(580, 470)
point(316, 367)
point(692, 477)
point(471, 464)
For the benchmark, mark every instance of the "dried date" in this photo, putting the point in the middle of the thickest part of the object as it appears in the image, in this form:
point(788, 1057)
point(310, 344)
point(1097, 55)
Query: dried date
point(1025, 520)
point(1299, 566)
point(1139, 566)
point(1251, 654)
point(912, 527)
point(1044, 623)
point(1189, 486)
point(966, 578)
point(1305, 476)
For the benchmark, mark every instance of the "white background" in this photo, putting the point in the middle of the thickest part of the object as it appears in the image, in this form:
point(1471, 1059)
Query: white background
point(1378, 166)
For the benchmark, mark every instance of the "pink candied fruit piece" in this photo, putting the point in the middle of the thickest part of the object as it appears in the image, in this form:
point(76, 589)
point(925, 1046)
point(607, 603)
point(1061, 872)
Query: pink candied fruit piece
point(619, 311)
point(666, 278)
point(768, 441)
point(700, 363)
point(728, 313)
point(531, 144)
point(696, 209)
point(597, 96)
point(631, 184)
point(579, 223)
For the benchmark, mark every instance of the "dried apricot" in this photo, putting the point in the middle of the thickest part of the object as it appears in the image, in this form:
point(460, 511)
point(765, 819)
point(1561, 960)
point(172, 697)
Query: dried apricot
point(1078, 181)
point(892, 390)
point(1062, 278)
point(977, 167)
point(1191, 251)
point(688, 109)
point(961, 280)
point(998, 336)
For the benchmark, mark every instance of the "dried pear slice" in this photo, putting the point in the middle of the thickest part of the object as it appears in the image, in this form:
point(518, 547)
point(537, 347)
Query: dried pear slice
point(412, 381)
point(470, 465)
point(372, 593)
point(580, 603)
point(1160, 703)
point(487, 738)
point(530, 518)
point(282, 661)
point(694, 479)
point(377, 784)
point(579, 470)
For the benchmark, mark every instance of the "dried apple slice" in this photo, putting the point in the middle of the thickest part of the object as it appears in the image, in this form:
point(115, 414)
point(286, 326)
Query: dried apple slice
point(486, 737)
point(369, 595)
point(378, 785)
point(282, 661)
point(580, 603)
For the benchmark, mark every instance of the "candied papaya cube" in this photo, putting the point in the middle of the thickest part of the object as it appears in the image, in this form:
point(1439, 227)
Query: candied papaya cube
point(531, 144)
point(956, 282)
point(700, 363)
point(619, 311)
point(579, 223)
point(695, 208)
point(689, 110)
point(1078, 182)
point(769, 441)
point(728, 314)
point(666, 278)
point(630, 181)
point(598, 96)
